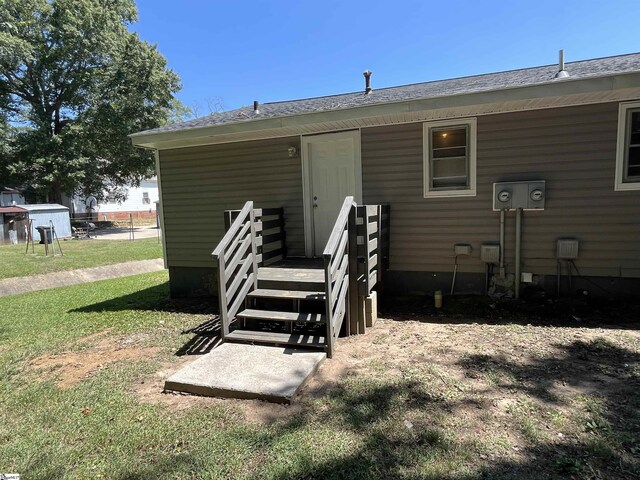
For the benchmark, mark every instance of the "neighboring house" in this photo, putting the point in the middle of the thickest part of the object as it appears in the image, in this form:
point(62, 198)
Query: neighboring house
point(10, 196)
point(433, 152)
point(139, 202)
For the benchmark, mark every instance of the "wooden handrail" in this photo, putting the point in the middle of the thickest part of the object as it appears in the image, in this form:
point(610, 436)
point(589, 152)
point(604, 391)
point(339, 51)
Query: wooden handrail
point(373, 243)
point(239, 276)
point(270, 233)
point(337, 268)
point(235, 226)
point(339, 226)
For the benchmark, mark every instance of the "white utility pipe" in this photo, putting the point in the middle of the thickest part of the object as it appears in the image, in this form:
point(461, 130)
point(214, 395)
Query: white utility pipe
point(455, 272)
point(502, 272)
point(518, 246)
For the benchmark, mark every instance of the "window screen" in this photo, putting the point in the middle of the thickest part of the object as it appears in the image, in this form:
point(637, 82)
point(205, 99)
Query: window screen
point(632, 147)
point(449, 157)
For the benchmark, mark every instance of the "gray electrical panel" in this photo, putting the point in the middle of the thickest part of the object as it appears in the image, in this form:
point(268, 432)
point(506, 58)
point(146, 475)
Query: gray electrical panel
point(461, 249)
point(567, 249)
point(490, 253)
point(528, 195)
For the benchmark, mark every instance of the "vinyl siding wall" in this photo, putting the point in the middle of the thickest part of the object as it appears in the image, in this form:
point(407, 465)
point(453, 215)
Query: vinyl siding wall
point(199, 183)
point(572, 148)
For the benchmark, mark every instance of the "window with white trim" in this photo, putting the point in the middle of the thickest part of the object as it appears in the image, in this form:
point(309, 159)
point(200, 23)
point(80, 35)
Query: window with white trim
point(628, 152)
point(145, 198)
point(450, 158)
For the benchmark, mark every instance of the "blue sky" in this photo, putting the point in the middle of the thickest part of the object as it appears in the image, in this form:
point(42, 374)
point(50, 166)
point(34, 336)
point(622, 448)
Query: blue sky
point(240, 51)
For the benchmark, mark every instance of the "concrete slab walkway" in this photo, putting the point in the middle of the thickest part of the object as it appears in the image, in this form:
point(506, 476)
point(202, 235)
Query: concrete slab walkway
point(17, 285)
point(234, 370)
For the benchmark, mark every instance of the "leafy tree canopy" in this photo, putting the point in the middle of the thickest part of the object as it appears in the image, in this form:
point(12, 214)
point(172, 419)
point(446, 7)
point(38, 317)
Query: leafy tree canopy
point(74, 82)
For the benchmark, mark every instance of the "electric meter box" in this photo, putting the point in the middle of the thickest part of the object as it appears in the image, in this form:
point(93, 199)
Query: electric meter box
point(528, 195)
point(490, 253)
point(461, 249)
point(567, 249)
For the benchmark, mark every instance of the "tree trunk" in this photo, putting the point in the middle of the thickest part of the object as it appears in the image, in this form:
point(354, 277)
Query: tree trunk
point(55, 194)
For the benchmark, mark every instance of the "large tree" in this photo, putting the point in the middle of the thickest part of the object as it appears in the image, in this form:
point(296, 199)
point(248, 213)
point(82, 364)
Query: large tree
point(74, 82)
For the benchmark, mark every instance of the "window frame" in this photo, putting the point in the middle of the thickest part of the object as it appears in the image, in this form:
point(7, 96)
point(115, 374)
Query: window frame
point(428, 190)
point(622, 148)
point(146, 198)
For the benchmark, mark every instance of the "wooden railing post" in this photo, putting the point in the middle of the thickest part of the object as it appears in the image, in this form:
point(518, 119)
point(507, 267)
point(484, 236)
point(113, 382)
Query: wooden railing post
point(386, 235)
point(353, 274)
point(338, 267)
point(380, 243)
point(228, 219)
point(222, 297)
point(283, 234)
point(328, 304)
point(254, 248)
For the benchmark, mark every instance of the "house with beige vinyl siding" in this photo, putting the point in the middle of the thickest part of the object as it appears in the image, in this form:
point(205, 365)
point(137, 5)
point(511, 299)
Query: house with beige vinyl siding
point(440, 155)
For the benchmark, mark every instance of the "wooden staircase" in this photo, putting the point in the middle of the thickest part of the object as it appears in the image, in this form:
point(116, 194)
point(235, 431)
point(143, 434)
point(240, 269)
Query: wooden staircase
point(267, 300)
point(285, 309)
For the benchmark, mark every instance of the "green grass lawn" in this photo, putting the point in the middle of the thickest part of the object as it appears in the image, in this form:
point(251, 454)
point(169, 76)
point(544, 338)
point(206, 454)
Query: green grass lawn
point(77, 254)
point(407, 400)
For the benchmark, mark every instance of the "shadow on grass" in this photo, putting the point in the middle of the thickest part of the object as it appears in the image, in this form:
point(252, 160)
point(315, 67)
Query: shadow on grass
point(602, 378)
point(363, 434)
point(163, 468)
point(154, 298)
point(604, 440)
point(206, 338)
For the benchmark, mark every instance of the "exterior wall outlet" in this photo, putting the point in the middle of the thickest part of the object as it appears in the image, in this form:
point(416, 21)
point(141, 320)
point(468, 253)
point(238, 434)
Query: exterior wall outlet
point(526, 277)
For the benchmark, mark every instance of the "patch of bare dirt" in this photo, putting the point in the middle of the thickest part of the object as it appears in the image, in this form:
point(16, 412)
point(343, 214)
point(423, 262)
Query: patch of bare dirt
point(512, 392)
point(489, 367)
point(95, 352)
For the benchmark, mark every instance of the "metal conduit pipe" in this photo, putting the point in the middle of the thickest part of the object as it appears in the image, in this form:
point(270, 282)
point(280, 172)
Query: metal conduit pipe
point(502, 272)
point(518, 246)
point(455, 272)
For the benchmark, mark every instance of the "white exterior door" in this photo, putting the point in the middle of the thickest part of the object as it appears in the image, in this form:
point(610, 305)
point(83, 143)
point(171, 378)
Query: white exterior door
point(332, 164)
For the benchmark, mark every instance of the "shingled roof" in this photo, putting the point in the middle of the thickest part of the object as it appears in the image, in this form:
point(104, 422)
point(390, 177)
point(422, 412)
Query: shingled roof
point(598, 67)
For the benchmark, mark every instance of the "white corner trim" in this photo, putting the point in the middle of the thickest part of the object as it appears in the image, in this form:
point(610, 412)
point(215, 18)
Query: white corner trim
point(156, 154)
point(306, 200)
point(426, 164)
point(620, 184)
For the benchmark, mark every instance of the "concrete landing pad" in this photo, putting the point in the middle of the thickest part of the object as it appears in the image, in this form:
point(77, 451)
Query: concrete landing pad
point(248, 371)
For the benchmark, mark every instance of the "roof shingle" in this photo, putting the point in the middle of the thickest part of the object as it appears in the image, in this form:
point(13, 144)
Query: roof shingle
point(438, 88)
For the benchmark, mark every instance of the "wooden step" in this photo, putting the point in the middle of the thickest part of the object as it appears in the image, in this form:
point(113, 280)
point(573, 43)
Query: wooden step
point(305, 279)
point(250, 336)
point(315, 318)
point(287, 294)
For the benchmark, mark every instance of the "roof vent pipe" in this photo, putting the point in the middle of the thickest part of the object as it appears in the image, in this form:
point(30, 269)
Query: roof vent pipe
point(562, 73)
point(367, 81)
point(256, 107)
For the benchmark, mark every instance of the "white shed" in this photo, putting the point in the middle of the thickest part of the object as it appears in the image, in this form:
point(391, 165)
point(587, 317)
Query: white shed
point(42, 214)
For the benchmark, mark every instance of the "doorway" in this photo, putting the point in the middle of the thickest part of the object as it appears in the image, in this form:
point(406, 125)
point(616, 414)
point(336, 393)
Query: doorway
point(332, 170)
